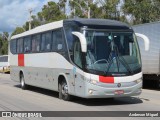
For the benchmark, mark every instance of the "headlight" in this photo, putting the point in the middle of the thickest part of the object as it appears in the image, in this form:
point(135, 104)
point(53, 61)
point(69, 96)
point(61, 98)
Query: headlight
point(138, 81)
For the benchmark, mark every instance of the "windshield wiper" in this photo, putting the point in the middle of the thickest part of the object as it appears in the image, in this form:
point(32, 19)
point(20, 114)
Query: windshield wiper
point(123, 61)
point(117, 57)
point(128, 68)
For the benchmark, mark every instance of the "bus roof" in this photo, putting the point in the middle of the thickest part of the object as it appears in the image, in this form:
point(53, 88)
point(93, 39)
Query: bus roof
point(40, 29)
point(98, 22)
point(80, 21)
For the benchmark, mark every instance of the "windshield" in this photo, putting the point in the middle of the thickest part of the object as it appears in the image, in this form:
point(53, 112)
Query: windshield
point(112, 53)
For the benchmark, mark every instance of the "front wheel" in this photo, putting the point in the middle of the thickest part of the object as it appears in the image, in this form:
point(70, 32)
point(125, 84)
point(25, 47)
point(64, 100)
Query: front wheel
point(22, 82)
point(63, 91)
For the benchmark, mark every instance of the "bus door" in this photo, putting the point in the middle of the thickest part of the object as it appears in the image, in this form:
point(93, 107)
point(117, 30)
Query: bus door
point(77, 72)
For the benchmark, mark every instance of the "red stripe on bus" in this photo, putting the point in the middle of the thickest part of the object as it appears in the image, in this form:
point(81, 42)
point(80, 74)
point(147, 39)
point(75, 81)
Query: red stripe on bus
point(20, 59)
point(106, 79)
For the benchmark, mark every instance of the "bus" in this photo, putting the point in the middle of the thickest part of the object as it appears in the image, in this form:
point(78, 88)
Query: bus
point(4, 64)
point(88, 58)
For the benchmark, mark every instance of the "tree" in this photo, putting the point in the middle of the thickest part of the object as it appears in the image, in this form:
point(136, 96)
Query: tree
point(110, 9)
point(51, 12)
point(62, 5)
point(142, 11)
point(4, 43)
point(34, 23)
point(1, 41)
point(80, 8)
point(76, 9)
point(18, 30)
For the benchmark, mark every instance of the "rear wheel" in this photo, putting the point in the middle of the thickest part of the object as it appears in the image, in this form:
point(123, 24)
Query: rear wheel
point(63, 91)
point(22, 82)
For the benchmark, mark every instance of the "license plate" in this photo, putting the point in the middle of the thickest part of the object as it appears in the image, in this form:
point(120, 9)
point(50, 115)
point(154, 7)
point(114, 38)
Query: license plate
point(119, 92)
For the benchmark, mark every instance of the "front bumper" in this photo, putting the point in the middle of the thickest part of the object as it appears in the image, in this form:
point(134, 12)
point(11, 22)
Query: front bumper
point(95, 91)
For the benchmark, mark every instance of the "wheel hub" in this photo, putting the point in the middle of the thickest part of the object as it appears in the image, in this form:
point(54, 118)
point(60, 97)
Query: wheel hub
point(22, 82)
point(65, 89)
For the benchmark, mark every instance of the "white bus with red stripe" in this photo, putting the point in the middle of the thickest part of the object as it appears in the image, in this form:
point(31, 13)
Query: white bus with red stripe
point(89, 58)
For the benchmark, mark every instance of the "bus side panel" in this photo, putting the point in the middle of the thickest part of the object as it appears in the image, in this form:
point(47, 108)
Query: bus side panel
point(80, 81)
point(14, 69)
point(40, 77)
point(41, 69)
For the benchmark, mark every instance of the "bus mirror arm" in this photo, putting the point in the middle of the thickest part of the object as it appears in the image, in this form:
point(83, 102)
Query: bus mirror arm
point(146, 40)
point(82, 39)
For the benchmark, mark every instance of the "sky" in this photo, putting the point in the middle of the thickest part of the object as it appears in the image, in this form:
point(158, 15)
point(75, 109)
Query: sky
point(14, 13)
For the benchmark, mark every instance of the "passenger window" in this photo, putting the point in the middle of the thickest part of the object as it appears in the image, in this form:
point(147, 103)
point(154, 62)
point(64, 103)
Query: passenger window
point(36, 43)
point(46, 42)
point(20, 45)
point(43, 42)
point(58, 41)
point(13, 46)
point(27, 45)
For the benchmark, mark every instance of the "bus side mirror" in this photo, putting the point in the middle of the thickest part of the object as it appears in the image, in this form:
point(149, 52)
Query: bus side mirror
point(146, 40)
point(82, 39)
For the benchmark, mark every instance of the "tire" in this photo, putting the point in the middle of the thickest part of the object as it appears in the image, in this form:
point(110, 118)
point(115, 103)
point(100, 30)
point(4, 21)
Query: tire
point(158, 83)
point(110, 99)
point(63, 91)
point(22, 82)
point(60, 90)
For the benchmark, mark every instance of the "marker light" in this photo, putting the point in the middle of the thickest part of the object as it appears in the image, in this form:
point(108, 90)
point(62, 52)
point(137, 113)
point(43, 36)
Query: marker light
point(138, 81)
point(93, 81)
